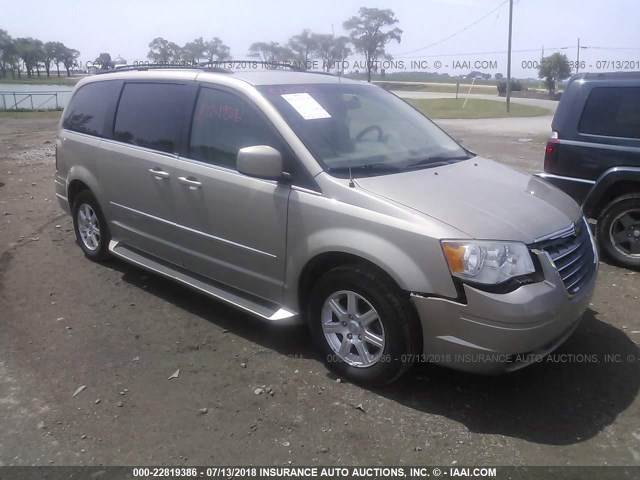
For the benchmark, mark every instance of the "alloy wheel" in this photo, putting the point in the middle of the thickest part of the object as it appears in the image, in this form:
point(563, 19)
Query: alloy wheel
point(353, 329)
point(625, 233)
point(88, 227)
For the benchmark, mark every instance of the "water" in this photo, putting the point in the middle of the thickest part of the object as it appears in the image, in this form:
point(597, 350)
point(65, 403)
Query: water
point(28, 96)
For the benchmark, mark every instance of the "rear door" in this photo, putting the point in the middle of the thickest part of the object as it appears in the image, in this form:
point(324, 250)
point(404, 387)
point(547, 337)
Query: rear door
point(139, 165)
point(233, 227)
point(87, 119)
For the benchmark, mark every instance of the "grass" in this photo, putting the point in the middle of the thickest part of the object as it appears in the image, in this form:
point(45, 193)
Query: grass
point(464, 88)
point(29, 114)
point(422, 77)
point(42, 80)
point(433, 108)
point(475, 108)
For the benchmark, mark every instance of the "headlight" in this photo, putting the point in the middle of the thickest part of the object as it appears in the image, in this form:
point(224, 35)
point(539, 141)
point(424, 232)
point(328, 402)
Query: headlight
point(487, 262)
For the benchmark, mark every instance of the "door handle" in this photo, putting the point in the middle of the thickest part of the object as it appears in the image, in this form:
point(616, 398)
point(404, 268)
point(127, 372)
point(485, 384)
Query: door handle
point(159, 174)
point(193, 184)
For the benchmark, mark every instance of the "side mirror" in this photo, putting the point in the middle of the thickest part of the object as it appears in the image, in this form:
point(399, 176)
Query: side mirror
point(260, 161)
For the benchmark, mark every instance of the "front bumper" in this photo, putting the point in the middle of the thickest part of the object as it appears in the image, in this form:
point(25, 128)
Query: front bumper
point(497, 333)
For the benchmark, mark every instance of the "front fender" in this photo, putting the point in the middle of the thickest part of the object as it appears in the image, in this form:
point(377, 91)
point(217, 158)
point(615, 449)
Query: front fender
point(404, 249)
point(606, 181)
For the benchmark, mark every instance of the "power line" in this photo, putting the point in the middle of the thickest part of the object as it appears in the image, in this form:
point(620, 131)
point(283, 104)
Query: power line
point(454, 34)
point(613, 48)
point(486, 53)
point(526, 50)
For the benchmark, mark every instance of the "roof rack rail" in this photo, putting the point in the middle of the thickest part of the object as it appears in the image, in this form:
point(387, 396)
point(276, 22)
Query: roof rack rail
point(218, 66)
point(140, 67)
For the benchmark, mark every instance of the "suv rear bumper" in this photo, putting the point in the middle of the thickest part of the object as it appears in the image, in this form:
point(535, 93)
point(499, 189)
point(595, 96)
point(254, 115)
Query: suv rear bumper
point(496, 333)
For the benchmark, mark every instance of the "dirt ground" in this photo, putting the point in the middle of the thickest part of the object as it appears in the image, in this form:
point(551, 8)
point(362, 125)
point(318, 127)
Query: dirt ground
point(66, 322)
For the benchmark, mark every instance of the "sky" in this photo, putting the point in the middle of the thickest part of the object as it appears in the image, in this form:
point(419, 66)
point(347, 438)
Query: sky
point(609, 29)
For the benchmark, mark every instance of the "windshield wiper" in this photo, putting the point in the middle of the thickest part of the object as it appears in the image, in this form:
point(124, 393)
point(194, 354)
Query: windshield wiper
point(435, 161)
point(366, 168)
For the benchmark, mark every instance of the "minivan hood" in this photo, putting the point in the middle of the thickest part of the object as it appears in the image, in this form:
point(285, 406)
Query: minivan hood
point(482, 198)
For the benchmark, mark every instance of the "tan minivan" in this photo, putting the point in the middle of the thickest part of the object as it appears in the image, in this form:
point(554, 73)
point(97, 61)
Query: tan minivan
point(306, 197)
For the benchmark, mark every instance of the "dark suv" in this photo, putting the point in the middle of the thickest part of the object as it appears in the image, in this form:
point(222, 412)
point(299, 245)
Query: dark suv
point(593, 154)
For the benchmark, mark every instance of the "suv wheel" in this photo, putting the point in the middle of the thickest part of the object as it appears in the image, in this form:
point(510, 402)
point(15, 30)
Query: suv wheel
point(619, 231)
point(363, 325)
point(90, 227)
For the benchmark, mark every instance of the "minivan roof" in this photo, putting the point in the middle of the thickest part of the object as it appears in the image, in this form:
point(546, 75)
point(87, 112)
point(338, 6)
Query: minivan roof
point(279, 77)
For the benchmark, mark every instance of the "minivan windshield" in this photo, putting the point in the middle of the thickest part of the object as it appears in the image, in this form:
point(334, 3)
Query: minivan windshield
point(362, 130)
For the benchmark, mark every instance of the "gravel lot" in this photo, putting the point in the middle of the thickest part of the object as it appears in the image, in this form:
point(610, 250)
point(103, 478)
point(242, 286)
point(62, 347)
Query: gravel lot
point(251, 393)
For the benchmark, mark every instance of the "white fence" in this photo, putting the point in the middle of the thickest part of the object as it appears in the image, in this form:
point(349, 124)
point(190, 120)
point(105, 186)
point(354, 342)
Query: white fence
point(40, 100)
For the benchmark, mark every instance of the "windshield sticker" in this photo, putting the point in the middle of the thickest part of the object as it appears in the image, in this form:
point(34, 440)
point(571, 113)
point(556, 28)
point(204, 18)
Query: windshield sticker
point(306, 106)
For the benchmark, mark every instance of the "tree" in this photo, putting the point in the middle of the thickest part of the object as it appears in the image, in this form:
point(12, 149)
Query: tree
point(38, 46)
point(192, 52)
point(104, 61)
point(68, 57)
point(31, 52)
point(303, 46)
point(369, 36)
point(51, 50)
point(271, 52)
point(60, 51)
point(499, 76)
point(215, 50)
point(554, 69)
point(8, 55)
point(331, 49)
point(163, 51)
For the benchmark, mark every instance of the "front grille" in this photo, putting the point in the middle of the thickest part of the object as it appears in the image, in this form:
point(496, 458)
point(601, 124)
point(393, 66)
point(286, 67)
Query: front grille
point(573, 256)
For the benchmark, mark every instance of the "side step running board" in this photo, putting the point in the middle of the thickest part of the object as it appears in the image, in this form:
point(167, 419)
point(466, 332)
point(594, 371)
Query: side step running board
point(235, 298)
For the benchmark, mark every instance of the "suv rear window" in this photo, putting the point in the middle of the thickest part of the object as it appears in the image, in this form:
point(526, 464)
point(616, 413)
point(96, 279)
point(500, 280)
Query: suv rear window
point(87, 110)
point(150, 115)
point(612, 112)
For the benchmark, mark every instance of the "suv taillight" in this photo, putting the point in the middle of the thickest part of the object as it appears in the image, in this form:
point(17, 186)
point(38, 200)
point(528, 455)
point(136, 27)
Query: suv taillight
point(550, 151)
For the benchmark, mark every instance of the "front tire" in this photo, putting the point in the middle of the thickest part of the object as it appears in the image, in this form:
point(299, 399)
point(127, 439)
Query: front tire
point(363, 325)
point(90, 226)
point(619, 231)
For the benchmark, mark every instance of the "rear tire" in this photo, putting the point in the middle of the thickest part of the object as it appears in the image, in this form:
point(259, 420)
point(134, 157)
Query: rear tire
point(363, 325)
point(90, 226)
point(618, 231)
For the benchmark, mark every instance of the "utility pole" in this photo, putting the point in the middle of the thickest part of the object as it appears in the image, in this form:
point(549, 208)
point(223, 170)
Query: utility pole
point(578, 59)
point(541, 60)
point(509, 57)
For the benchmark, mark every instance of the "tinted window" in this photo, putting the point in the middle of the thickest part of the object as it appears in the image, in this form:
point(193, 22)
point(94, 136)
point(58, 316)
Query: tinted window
point(222, 125)
point(87, 110)
point(613, 112)
point(150, 115)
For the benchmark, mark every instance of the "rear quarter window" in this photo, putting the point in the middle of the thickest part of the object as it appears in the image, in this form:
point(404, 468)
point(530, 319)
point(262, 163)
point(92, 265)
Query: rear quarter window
point(151, 115)
point(612, 112)
point(89, 106)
